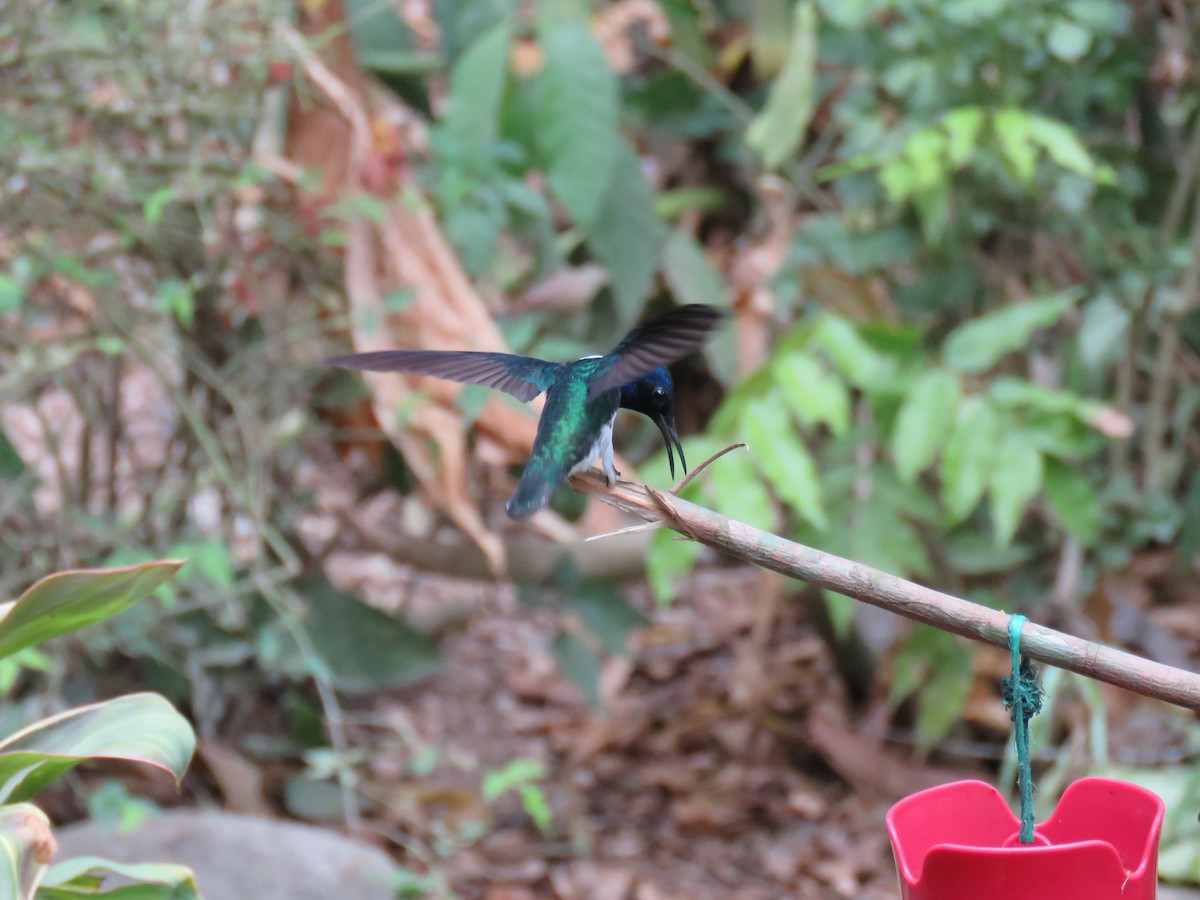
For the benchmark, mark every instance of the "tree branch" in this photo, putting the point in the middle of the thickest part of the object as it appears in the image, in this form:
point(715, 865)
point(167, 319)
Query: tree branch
point(744, 542)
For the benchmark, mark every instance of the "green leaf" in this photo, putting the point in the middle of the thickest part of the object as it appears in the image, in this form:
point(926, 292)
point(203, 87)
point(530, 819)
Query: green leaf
point(26, 847)
point(813, 393)
point(769, 31)
point(75, 878)
point(1062, 145)
point(606, 612)
point(667, 561)
point(686, 22)
point(917, 654)
point(857, 359)
point(943, 697)
point(476, 87)
point(926, 152)
point(471, 400)
point(937, 666)
point(627, 236)
point(1074, 502)
point(537, 805)
point(739, 492)
point(315, 799)
point(851, 15)
point(378, 31)
point(1019, 393)
point(973, 553)
point(475, 229)
point(841, 611)
point(155, 205)
point(692, 278)
point(970, 12)
point(514, 775)
point(175, 297)
point(1061, 435)
point(11, 464)
point(521, 775)
point(362, 206)
point(963, 127)
point(778, 131)
point(907, 498)
point(968, 456)
point(459, 23)
point(924, 421)
point(690, 275)
point(141, 728)
point(783, 458)
point(897, 177)
point(577, 121)
point(1068, 40)
point(978, 344)
point(364, 648)
point(1017, 476)
point(399, 299)
point(579, 664)
point(1012, 129)
point(12, 295)
point(74, 599)
point(1103, 332)
point(554, 12)
point(110, 344)
point(116, 810)
point(1188, 547)
point(880, 538)
point(214, 562)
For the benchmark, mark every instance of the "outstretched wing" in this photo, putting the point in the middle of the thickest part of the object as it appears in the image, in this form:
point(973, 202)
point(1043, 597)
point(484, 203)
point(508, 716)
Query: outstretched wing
point(522, 376)
point(659, 342)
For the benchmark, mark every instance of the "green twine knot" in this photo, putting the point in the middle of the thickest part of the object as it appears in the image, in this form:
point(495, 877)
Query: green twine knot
point(1023, 698)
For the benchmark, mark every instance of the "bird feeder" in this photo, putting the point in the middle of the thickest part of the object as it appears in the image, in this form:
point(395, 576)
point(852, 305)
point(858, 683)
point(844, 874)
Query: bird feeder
point(960, 841)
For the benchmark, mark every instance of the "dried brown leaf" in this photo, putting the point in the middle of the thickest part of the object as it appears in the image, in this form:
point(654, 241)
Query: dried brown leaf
point(240, 780)
point(613, 25)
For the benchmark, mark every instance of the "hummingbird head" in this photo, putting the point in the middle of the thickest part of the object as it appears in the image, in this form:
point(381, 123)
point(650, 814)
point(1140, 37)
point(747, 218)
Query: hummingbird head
point(653, 395)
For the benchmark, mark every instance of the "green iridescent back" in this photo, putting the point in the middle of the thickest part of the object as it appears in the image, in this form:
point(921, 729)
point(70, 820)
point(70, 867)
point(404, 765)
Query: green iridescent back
point(567, 431)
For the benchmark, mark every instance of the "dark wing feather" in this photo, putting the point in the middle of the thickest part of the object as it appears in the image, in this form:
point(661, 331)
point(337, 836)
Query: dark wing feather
point(659, 342)
point(522, 376)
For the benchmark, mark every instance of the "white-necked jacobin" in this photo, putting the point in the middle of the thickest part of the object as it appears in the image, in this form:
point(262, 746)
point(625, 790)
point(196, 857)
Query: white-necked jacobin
point(582, 397)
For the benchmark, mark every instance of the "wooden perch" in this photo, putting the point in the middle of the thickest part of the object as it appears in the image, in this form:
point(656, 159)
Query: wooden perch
point(896, 595)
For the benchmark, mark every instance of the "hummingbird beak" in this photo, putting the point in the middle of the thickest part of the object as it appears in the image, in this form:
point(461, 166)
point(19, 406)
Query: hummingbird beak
point(666, 425)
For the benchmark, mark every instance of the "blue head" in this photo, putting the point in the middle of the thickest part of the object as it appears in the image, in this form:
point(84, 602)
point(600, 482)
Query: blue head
point(653, 395)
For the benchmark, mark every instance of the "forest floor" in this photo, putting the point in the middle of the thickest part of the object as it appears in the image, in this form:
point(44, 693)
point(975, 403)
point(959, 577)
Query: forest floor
point(723, 762)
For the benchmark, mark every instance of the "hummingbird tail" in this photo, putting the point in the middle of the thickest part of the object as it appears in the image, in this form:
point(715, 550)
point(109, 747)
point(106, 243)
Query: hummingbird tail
point(533, 492)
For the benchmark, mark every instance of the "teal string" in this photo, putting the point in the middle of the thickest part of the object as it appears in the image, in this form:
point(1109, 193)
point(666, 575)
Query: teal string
point(1023, 699)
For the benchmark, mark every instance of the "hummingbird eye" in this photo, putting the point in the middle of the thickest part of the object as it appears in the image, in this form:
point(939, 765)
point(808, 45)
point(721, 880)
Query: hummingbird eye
point(660, 393)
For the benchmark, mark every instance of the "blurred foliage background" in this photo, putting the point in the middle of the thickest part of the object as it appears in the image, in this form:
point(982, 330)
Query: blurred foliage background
point(960, 240)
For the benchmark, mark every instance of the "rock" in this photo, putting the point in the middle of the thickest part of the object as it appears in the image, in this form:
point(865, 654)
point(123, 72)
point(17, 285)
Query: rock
point(238, 857)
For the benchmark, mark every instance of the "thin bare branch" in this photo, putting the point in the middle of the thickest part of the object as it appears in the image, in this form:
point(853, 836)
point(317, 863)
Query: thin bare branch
point(913, 601)
point(687, 479)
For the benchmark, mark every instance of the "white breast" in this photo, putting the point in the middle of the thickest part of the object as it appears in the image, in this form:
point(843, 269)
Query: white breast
point(603, 443)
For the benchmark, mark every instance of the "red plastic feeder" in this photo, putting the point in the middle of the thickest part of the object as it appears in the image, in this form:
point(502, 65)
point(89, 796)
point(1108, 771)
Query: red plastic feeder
point(959, 842)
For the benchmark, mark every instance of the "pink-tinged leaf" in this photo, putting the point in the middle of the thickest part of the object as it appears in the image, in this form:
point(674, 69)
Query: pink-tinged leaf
point(67, 601)
point(153, 881)
point(141, 728)
point(26, 847)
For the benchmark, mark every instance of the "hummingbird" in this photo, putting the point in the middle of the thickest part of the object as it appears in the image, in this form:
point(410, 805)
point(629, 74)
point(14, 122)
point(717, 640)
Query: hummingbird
point(582, 397)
